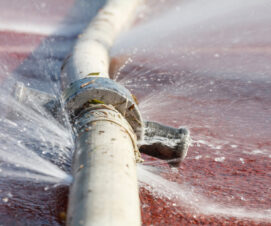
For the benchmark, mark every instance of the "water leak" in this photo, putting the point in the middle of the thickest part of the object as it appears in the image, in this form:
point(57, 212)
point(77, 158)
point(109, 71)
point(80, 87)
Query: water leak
point(35, 159)
point(204, 66)
point(36, 148)
point(199, 64)
point(32, 142)
point(181, 194)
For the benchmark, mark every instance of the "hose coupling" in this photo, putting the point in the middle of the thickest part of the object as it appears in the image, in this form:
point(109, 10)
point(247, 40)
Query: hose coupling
point(99, 90)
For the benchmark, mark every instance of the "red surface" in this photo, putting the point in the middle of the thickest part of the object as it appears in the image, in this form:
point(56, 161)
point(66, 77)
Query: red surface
point(221, 93)
point(233, 124)
point(161, 212)
point(199, 77)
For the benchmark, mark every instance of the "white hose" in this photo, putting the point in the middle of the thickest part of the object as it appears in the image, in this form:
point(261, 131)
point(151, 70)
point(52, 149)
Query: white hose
point(90, 55)
point(105, 190)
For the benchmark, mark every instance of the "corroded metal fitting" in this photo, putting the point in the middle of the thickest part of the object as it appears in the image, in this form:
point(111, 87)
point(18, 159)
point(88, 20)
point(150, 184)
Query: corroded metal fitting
point(99, 90)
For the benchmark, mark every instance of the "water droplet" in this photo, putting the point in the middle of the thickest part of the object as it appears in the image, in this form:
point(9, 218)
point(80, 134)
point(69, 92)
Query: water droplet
point(46, 188)
point(9, 195)
point(5, 199)
point(220, 159)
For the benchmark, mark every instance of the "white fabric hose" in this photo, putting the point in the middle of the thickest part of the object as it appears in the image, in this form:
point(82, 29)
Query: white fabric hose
point(90, 56)
point(104, 191)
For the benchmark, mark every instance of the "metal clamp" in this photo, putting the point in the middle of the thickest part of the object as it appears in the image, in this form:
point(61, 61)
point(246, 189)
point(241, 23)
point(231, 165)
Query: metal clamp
point(104, 91)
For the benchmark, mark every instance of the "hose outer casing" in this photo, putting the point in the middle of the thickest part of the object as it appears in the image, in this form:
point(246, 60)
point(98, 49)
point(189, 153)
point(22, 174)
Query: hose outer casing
point(104, 190)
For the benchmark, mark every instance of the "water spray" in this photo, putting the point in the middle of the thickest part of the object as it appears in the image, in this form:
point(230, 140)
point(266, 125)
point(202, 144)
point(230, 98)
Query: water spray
point(109, 131)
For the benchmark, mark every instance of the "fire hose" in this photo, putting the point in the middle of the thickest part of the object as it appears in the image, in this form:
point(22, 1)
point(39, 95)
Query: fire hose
point(107, 126)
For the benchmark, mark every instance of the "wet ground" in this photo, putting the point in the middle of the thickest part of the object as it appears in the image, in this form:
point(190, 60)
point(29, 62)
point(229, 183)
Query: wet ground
point(203, 67)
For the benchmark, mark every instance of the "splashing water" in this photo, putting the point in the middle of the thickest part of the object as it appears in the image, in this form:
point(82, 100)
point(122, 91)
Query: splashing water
point(205, 65)
point(30, 143)
point(35, 159)
point(202, 64)
point(185, 195)
point(36, 150)
point(34, 145)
